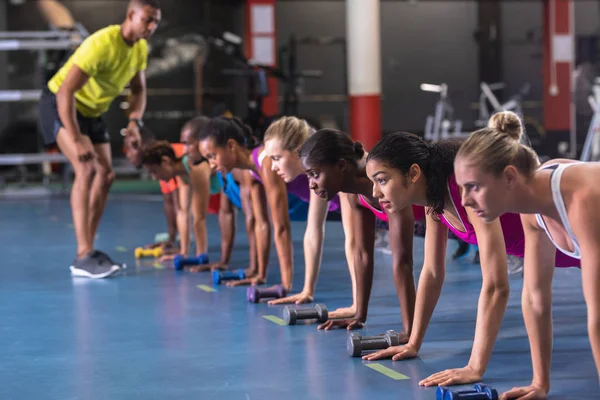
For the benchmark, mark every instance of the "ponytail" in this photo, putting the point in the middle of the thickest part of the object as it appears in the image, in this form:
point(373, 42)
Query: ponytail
point(221, 129)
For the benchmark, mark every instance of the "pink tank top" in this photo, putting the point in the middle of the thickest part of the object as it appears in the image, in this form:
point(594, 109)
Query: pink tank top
point(418, 211)
point(512, 229)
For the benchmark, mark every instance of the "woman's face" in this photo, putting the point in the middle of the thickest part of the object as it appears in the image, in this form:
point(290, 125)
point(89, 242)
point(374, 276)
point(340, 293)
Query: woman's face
point(391, 187)
point(220, 158)
point(284, 162)
point(164, 171)
point(325, 180)
point(481, 191)
point(191, 147)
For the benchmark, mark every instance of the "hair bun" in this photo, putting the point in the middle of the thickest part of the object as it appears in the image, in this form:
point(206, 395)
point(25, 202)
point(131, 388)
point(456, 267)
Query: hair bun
point(507, 122)
point(358, 149)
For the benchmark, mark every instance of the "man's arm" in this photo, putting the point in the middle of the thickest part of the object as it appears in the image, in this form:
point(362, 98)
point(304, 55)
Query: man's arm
point(137, 102)
point(65, 101)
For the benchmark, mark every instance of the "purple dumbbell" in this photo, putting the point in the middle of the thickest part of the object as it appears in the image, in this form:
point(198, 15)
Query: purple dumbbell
point(254, 294)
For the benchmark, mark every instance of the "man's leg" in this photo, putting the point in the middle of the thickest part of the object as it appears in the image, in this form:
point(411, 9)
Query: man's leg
point(100, 186)
point(84, 173)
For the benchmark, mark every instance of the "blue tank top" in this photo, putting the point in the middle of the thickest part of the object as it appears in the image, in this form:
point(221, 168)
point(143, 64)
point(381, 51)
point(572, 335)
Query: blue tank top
point(230, 188)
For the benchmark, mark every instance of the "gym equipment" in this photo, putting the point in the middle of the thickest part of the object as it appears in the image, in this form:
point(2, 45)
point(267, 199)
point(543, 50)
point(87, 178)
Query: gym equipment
point(292, 314)
point(439, 125)
point(181, 261)
point(141, 252)
point(254, 294)
point(219, 276)
point(591, 146)
point(356, 343)
point(533, 131)
point(479, 392)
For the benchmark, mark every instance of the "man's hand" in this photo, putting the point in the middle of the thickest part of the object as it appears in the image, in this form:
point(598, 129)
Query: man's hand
point(85, 151)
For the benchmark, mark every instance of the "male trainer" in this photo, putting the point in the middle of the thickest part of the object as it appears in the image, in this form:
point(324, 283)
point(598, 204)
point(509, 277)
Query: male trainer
point(71, 115)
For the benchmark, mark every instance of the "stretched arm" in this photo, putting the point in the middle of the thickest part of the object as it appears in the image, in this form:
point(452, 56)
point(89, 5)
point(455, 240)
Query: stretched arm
point(313, 250)
point(277, 195)
point(200, 182)
point(227, 227)
point(262, 230)
point(170, 203)
point(401, 227)
point(363, 254)
point(490, 309)
point(246, 198)
point(428, 292)
point(536, 302)
point(183, 218)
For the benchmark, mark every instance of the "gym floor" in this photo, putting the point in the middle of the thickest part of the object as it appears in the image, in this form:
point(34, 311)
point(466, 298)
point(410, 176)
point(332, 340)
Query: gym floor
point(156, 333)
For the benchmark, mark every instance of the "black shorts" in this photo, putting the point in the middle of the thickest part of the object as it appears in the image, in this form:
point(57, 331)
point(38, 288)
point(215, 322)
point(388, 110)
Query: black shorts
point(50, 122)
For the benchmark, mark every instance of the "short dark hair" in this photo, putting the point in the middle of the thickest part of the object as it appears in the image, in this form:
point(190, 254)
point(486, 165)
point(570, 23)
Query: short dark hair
point(151, 3)
point(195, 125)
point(153, 154)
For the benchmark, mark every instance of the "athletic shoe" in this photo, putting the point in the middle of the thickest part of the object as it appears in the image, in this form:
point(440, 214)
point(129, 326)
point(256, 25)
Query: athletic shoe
point(92, 267)
point(103, 256)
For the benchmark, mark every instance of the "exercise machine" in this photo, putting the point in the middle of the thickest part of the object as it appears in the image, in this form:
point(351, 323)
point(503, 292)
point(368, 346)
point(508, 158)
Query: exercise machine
point(440, 125)
point(591, 146)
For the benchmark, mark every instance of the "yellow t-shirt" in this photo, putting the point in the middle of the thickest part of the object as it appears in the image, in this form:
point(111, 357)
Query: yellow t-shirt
point(110, 62)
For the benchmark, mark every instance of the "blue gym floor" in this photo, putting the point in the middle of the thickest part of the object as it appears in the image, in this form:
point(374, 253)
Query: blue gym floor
point(152, 333)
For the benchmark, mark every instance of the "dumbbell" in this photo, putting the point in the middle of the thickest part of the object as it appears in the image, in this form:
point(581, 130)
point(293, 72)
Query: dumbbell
point(181, 261)
point(292, 314)
point(356, 343)
point(141, 252)
point(254, 294)
point(479, 392)
point(219, 276)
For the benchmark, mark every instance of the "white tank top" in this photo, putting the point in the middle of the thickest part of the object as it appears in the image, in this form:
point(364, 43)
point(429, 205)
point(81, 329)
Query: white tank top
point(559, 203)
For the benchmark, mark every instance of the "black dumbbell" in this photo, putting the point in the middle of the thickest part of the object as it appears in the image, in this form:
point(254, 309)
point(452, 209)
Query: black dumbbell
point(292, 314)
point(356, 343)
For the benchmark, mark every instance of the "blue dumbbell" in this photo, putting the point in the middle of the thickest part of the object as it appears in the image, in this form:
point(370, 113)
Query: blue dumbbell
point(180, 261)
point(479, 392)
point(490, 392)
point(219, 276)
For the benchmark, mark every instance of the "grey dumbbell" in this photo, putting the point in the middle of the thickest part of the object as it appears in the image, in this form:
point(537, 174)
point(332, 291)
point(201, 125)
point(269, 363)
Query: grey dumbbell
point(292, 314)
point(356, 343)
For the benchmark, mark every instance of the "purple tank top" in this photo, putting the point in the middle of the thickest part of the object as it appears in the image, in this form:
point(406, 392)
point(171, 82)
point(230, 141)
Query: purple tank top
point(298, 187)
point(512, 229)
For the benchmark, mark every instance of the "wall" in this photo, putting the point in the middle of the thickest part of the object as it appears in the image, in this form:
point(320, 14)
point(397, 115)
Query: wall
point(423, 42)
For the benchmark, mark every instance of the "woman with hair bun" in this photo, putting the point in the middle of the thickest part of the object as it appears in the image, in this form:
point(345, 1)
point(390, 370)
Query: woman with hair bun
point(335, 164)
point(557, 202)
point(405, 171)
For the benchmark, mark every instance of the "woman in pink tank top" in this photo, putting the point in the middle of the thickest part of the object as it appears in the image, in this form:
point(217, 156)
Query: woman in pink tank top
point(334, 164)
point(406, 170)
point(558, 203)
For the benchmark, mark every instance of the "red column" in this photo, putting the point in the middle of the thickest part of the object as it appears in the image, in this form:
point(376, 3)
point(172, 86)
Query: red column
point(364, 70)
point(558, 60)
point(261, 45)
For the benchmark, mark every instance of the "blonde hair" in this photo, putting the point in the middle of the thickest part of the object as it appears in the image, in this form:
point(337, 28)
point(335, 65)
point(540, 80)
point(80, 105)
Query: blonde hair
point(291, 132)
point(499, 145)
